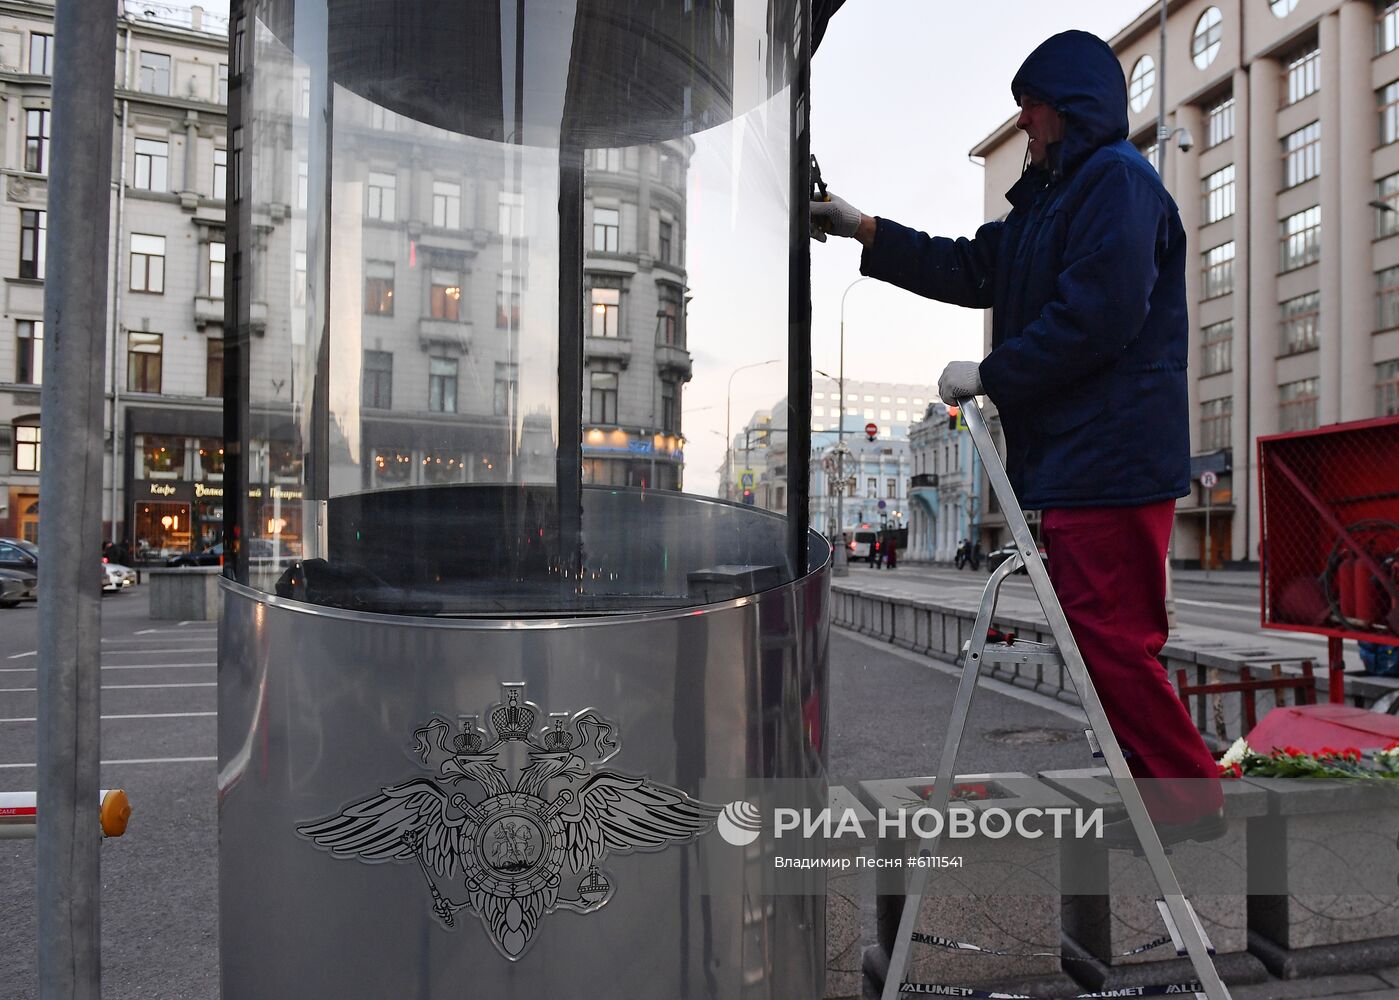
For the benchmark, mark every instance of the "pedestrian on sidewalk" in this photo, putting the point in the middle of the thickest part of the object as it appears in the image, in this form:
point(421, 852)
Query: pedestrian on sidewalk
point(1085, 278)
point(891, 549)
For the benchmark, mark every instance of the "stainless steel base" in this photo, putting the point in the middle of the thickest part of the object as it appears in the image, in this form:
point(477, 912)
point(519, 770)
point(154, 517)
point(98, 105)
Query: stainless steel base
point(318, 711)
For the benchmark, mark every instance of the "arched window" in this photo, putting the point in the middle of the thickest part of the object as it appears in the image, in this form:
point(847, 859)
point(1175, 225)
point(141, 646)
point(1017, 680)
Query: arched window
point(1208, 30)
point(1142, 83)
point(1281, 8)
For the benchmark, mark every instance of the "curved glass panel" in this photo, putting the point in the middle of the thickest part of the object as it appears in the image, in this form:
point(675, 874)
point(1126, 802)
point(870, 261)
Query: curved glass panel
point(512, 288)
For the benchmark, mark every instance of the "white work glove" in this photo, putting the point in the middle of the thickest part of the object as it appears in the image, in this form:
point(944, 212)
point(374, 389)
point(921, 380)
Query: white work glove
point(959, 380)
point(836, 216)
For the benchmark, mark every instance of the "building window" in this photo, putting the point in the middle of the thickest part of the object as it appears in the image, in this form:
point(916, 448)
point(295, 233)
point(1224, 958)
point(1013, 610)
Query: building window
point(1216, 423)
point(668, 317)
point(162, 456)
point(668, 413)
point(445, 295)
point(1386, 27)
point(607, 312)
point(1387, 298)
point(1218, 190)
point(1219, 122)
point(1217, 348)
point(378, 288)
point(154, 75)
point(606, 159)
point(1389, 113)
point(1302, 74)
point(143, 352)
point(1387, 389)
point(380, 190)
point(303, 183)
point(603, 409)
point(220, 189)
point(1300, 324)
point(1142, 83)
point(1387, 194)
point(511, 220)
point(29, 363)
point(40, 54)
point(1301, 155)
point(507, 378)
point(1297, 405)
point(1219, 270)
point(1301, 238)
point(892, 488)
point(223, 83)
point(442, 385)
point(36, 141)
point(377, 386)
point(446, 205)
point(27, 447)
point(235, 175)
point(147, 263)
point(33, 242)
point(152, 165)
point(298, 283)
point(1204, 46)
point(507, 302)
point(213, 368)
point(871, 486)
point(667, 233)
point(216, 261)
point(606, 223)
point(1281, 8)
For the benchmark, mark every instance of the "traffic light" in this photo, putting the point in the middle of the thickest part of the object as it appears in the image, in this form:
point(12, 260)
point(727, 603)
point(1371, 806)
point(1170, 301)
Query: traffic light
point(748, 497)
point(952, 415)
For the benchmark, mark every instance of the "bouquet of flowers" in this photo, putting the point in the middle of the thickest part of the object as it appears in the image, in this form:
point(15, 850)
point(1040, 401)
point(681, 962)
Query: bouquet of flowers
point(1292, 762)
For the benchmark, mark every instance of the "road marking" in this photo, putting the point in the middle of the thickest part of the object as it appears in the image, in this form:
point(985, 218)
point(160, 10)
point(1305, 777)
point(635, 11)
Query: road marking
point(20, 656)
point(145, 715)
point(1217, 604)
point(136, 760)
point(122, 687)
point(120, 666)
point(162, 652)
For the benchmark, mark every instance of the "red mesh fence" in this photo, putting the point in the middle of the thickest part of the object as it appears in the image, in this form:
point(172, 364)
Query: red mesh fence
point(1330, 522)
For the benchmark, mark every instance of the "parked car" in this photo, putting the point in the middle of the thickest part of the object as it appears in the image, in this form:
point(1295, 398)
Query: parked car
point(17, 585)
point(16, 553)
point(212, 556)
point(995, 558)
point(116, 578)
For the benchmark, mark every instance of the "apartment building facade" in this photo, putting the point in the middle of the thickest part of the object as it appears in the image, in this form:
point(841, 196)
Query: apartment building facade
point(1288, 188)
point(164, 433)
point(945, 498)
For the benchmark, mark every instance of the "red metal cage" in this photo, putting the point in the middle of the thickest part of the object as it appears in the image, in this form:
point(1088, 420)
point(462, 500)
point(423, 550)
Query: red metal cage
point(1330, 521)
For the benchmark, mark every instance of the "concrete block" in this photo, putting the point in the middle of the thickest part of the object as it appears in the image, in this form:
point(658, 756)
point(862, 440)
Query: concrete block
point(185, 593)
point(1110, 897)
point(1003, 896)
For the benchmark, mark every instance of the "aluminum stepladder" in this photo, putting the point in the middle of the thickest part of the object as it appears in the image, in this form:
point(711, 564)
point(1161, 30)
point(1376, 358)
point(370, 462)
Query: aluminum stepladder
point(1181, 921)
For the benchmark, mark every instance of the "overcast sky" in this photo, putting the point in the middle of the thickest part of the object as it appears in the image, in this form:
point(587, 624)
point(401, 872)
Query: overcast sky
point(901, 90)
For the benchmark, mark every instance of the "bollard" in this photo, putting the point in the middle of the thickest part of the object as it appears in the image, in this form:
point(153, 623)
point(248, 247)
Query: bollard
point(19, 813)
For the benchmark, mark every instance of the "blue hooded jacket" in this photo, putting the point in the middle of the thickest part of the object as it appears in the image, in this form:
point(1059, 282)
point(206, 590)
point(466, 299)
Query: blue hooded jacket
point(1086, 280)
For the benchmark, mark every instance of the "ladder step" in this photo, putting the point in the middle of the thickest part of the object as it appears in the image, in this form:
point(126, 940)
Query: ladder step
point(1175, 931)
point(1019, 651)
point(1097, 748)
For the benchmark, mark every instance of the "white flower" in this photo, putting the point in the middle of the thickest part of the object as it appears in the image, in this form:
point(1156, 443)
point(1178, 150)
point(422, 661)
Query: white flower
point(1236, 753)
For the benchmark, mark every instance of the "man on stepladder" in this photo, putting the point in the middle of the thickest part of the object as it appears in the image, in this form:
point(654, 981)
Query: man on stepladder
point(1086, 280)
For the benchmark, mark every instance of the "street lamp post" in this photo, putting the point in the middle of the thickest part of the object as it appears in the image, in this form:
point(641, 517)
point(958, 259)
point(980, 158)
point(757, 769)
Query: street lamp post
point(728, 424)
point(840, 564)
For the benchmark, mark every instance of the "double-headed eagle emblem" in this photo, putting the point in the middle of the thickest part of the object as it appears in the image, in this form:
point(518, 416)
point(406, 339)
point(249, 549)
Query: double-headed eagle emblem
point(519, 820)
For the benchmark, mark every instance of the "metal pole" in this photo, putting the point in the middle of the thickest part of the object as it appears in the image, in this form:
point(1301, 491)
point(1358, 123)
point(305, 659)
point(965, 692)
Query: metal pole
point(1162, 132)
point(1209, 496)
point(70, 531)
point(841, 565)
point(728, 421)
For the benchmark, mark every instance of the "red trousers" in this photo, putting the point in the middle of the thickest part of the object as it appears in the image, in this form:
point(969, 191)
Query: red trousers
point(1108, 566)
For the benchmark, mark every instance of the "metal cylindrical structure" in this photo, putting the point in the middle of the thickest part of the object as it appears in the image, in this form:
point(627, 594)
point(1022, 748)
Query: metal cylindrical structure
point(497, 647)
